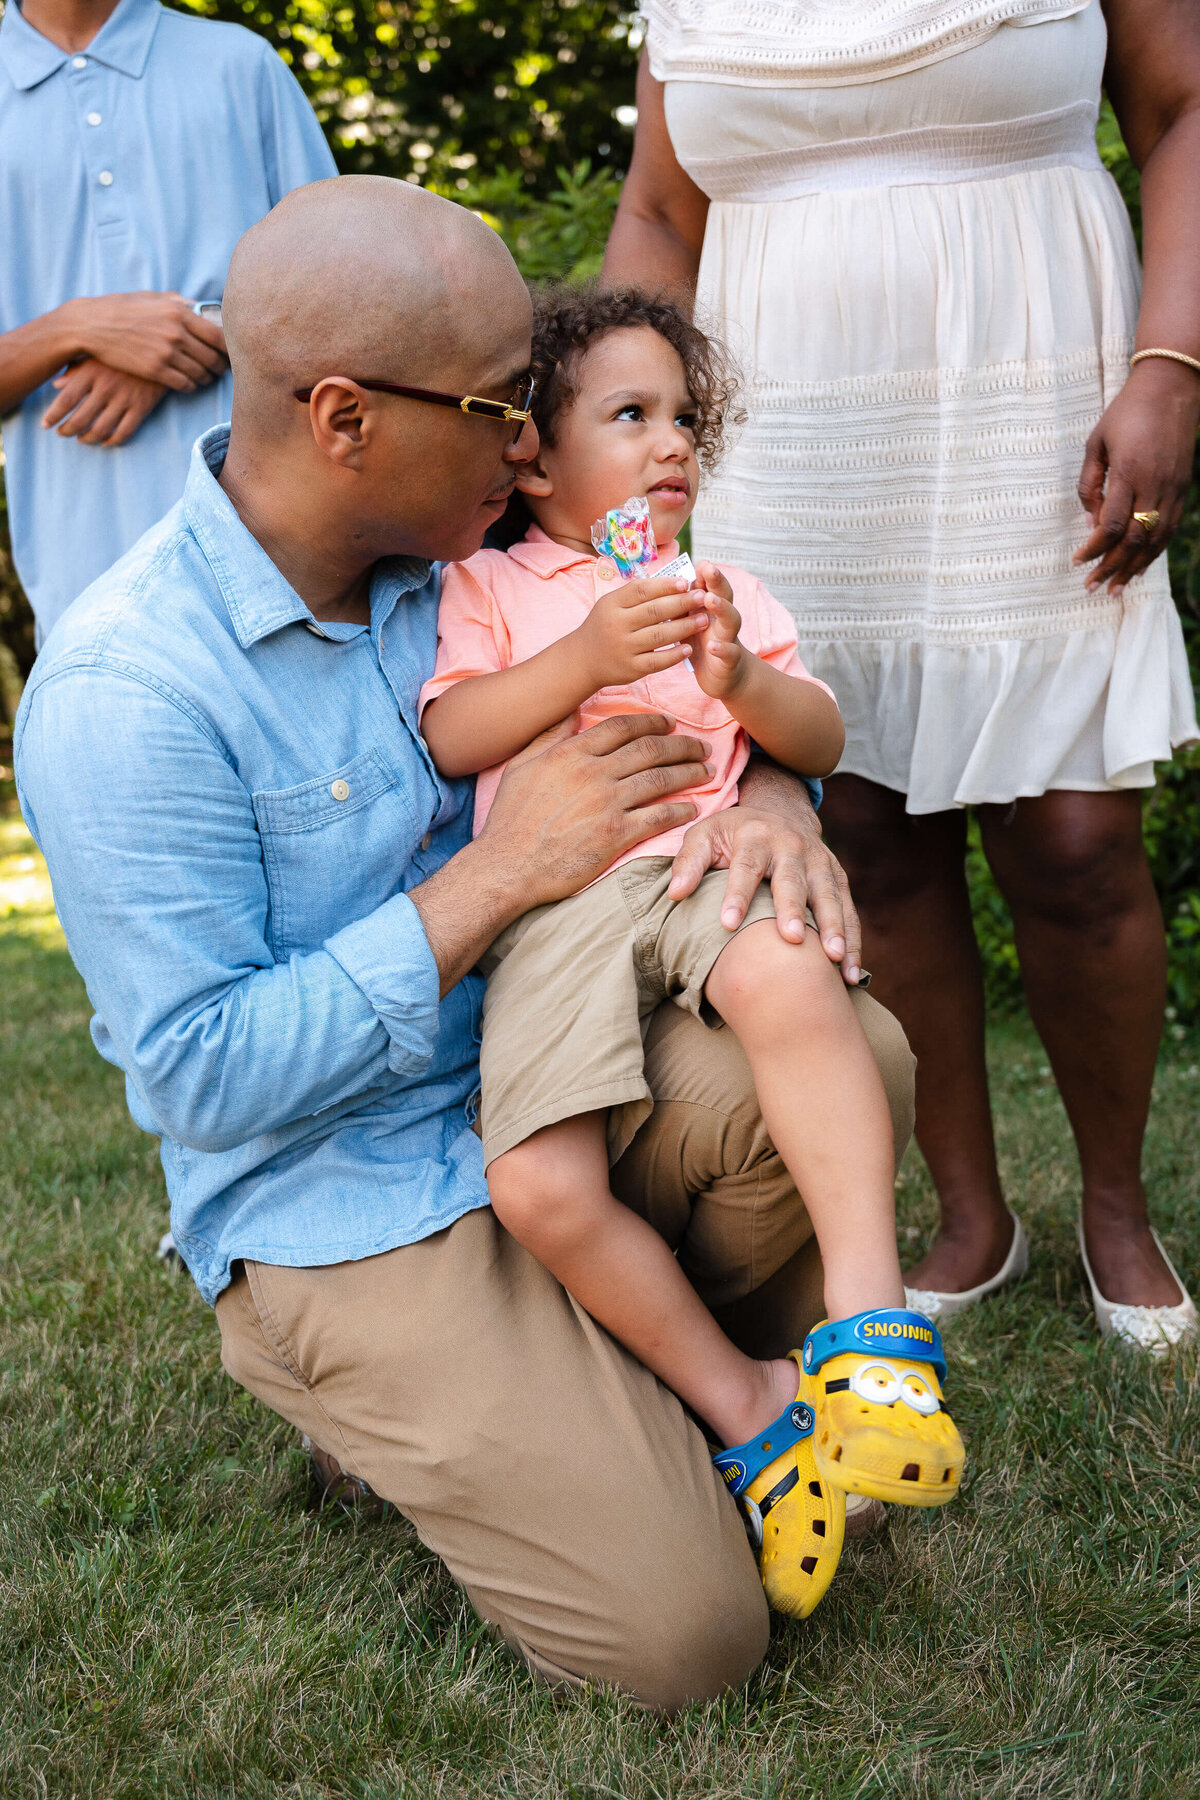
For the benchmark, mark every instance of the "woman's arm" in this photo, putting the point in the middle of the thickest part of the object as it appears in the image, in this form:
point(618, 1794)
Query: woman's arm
point(1139, 458)
point(659, 227)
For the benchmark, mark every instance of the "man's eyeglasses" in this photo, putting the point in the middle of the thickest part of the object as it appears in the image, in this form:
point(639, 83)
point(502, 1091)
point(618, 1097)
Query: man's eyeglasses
point(515, 412)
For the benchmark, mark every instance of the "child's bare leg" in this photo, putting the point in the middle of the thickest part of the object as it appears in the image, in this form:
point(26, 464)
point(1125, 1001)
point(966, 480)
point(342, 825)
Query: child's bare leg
point(551, 1192)
point(823, 1103)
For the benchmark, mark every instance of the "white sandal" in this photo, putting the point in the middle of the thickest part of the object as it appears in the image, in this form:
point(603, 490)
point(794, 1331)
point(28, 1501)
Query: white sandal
point(1154, 1328)
point(944, 1306)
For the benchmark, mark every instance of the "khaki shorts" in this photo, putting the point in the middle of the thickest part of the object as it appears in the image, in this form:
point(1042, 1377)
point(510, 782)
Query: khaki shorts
point(571, 987)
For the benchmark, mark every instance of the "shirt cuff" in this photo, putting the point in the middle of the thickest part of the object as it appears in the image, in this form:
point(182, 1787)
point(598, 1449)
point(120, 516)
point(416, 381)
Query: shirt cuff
point(387, 955)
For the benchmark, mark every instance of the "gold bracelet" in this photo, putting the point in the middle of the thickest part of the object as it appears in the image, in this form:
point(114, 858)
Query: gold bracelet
point(1171, 355)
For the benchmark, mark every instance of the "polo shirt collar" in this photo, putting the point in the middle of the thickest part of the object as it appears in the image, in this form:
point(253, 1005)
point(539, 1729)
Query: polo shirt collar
point(122, 43)
point(259, 599)
point(542, 556)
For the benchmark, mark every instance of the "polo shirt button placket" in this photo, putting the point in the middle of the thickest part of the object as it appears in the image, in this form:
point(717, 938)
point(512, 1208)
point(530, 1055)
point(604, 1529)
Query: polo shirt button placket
point(103, 177)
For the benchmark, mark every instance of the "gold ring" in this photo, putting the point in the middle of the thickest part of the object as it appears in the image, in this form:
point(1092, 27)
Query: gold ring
point(1148, 520)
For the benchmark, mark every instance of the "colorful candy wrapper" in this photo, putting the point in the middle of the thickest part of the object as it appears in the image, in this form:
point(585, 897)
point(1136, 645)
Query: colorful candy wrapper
point(626, 535)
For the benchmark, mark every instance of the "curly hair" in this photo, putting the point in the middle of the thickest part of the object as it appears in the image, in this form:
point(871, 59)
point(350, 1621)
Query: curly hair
point(568, 321)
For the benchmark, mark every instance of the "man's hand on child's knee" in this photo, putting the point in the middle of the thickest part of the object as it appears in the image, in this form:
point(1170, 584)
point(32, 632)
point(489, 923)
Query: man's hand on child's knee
point(757, 844)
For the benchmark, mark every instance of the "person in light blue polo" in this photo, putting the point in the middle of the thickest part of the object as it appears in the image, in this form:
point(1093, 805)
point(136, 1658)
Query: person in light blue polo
point(136, 146)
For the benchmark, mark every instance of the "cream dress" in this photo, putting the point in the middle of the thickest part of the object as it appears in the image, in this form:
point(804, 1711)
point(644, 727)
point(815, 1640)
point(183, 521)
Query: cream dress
point(931, 282)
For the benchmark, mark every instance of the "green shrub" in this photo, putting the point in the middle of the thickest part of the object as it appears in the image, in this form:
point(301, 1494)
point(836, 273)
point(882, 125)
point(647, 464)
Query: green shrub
point(559, 236)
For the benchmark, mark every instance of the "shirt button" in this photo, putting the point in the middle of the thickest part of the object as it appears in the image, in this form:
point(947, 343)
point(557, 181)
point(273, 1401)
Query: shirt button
point(340, 790)
point(105, 178)
point(425, 842)
point(606, 571)
point(93, 118)
point(79, 62)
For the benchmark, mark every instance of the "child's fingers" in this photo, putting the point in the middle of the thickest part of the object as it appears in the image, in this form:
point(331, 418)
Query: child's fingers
point(655, 637)
point(724, 618)
point(644, 591)
point(655, 661)
point(668, 608)
point(712, 580)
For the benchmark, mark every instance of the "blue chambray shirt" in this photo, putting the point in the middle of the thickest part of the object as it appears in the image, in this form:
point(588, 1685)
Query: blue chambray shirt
point(136, 164)
point(233, 802)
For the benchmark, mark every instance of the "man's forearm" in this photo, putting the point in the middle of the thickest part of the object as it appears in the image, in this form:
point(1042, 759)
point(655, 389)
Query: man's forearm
point(32, 353)
point(768, 788)
point(465, 907)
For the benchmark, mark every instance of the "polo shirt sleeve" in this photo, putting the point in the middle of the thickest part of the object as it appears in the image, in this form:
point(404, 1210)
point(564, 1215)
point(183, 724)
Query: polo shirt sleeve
point(294, 148)
point(472, 636)
point(157, 865)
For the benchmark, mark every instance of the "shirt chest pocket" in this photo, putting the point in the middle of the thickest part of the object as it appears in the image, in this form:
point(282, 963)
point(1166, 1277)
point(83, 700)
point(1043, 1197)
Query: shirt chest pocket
point(334, 849)
point(676, 691)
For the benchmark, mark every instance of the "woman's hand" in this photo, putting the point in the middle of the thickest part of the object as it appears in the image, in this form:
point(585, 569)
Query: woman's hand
point(1138, 459)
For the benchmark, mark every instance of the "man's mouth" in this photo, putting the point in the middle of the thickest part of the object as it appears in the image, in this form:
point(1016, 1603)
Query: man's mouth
point(501, 497)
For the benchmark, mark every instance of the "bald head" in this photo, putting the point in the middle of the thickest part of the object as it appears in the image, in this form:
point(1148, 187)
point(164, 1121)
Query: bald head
point(359, 276)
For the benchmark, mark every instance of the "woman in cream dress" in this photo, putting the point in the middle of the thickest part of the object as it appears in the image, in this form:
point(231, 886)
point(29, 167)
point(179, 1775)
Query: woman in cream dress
point(895, 212)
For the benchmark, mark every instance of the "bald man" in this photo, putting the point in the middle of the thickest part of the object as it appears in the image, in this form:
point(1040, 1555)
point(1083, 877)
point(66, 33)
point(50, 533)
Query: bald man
point(276, 905)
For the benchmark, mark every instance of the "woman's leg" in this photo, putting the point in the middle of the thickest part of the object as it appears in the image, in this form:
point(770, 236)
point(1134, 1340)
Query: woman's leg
point(906, 873)
point(1093, 956)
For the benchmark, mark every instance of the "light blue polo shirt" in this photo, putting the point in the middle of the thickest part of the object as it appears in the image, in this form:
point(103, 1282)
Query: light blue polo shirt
point(137, 164)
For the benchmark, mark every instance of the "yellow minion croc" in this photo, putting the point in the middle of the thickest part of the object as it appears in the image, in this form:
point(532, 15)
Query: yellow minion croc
point(795, 1519)
point(873, 1382)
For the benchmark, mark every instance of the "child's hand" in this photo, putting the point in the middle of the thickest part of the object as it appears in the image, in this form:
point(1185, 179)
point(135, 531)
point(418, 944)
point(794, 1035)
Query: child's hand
point(718, 659)
point(637, 629)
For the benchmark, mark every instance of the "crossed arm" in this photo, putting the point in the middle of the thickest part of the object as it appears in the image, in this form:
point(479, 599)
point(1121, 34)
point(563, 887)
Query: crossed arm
point(113, 358)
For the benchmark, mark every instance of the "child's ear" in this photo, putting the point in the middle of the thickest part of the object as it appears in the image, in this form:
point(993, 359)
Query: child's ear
point(533, 479)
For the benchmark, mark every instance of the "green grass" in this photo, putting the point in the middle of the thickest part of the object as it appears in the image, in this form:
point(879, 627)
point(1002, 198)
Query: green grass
point(177, 1619)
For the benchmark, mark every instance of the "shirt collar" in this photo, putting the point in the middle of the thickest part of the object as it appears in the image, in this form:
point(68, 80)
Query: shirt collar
point(542, 556)
point(122, 43)
point(259, 599)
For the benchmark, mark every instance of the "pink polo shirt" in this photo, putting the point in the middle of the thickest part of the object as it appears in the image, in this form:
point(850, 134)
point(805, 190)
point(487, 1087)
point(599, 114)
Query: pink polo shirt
point(502, 607)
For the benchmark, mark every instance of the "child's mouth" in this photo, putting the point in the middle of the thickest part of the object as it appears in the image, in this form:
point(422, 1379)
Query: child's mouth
point(674, 493)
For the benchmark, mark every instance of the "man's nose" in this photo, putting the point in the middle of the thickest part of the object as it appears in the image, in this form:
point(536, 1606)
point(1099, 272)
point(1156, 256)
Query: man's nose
point(525, 446)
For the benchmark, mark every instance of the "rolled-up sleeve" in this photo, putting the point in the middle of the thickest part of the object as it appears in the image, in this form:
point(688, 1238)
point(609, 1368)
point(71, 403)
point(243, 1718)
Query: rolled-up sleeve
point(157, 866)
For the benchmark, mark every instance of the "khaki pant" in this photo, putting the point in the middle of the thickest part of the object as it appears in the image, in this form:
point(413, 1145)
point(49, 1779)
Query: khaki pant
point(560, 1482)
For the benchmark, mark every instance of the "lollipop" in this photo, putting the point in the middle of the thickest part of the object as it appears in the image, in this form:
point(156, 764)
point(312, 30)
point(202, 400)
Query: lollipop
point(626, 535)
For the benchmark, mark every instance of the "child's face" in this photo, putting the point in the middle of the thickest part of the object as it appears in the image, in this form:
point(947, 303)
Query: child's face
point(630, 430)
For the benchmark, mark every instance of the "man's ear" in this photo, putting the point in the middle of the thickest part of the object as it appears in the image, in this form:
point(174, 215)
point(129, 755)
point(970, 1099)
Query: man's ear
point(533, 478)
point(343, 418)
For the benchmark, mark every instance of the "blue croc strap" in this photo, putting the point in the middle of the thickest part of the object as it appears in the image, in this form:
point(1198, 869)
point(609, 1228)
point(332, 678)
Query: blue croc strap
point(740, 1465)
point(892, 1331)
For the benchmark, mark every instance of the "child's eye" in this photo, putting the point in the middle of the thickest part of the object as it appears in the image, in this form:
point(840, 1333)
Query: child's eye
point(632, 411)
point(686, 421)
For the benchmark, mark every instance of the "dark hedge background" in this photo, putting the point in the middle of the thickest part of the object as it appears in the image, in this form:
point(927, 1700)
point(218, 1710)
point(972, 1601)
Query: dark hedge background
point(523, 109)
